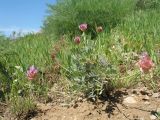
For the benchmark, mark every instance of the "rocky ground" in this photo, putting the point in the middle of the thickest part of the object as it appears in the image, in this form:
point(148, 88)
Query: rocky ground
point(123, 104)
point(131, 104)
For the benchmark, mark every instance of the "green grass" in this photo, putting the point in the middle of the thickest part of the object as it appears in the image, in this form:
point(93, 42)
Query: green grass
point(32, 50)
point(67, 15)
point(141, 31)
point(16, 56)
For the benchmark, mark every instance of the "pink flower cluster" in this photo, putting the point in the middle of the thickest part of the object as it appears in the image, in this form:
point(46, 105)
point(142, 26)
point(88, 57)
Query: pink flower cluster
point(77, 39)
point(83, 27)
point(145, 63)
point(32, 73)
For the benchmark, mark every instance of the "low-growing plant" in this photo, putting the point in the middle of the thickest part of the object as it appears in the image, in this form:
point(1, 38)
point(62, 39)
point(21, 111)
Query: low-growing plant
point(99, 65)
point(21, 107)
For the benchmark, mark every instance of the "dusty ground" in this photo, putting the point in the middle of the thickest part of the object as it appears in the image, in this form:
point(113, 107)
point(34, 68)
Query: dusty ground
point(125, 104)
point(139, 104)
point(2, 109)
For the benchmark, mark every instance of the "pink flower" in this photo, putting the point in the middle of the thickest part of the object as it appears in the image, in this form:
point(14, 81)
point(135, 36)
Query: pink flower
point(53, 56)
point(99, 29)
point(83, 27)
point(77, 39)
point(145, 63)
point(32, 73)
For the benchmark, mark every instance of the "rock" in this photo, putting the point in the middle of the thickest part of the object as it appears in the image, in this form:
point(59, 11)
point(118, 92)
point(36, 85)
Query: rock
point(116, 113)
point(80, 99)
point(150, 94)
point(147, 103)
point(127, 115)
point(153, 117)
point(141, 118)
point(129, 100)
point(104, 107)
point(155, 95)
point(144, 91)
point(65, 105)
point(146, 98)
point(84, 100)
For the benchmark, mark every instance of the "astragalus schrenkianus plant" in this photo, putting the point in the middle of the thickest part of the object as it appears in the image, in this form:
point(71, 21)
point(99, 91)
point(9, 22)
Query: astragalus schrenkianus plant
point(98, 66)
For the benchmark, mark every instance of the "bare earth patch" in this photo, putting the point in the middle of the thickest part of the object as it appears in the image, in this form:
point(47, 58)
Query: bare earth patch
point(2, 109)
point(132, 104)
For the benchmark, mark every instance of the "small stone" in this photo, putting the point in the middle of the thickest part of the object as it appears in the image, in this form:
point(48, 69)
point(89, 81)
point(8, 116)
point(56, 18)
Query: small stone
point(65, 105)
point(116, 113)
point(153, 117)
point(130, 100)
point(147, 103)
point(80, 99)
point(155, 95)
point(132, 95)
point(141, 118)
point(128, 115)
point(150, 94)
point(104, 107)
point(84, 100)
point(146, 98)
point(144, 91)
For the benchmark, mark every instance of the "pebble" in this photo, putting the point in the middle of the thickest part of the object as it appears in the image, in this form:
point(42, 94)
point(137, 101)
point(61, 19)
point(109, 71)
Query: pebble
point(65, 105)
point(80, 99)
point(155, 95)
point(104, 107)
point(129, 100)
point(147, 103)
point(146, 98)
point(144, 91)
